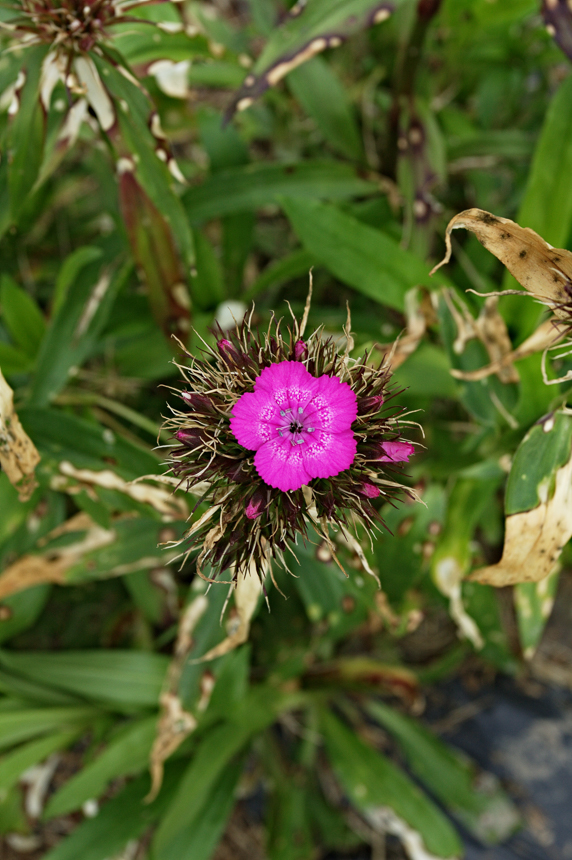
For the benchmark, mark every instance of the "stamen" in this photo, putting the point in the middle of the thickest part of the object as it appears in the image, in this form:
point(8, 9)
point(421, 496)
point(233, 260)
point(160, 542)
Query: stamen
point(300, 409)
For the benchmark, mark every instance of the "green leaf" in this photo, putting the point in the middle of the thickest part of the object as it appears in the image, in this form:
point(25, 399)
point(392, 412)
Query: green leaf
point(134, 116)
point(198, 839)
point(308, 30)
point(14, 361)
point(120, 819)
point(252, 186)
point(23, 608)
point(294, 265)
point(208, 284)
point(125, 755)
point(533, 603)
point(135, 547)
point(75, 328)
point(20, 725)
point(481, 805)
point(324, 98)
point(290, 836)
point(124, 679)
point(322, 588)
point(366, 259)
point(214, 753)
point(371, 780)
point(27, 134)
point(22, 316)
point(85, 444)
point(14, 763)
point(544, 450)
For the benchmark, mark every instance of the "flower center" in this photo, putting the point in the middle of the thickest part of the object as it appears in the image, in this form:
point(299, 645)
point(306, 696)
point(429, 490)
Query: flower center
point(296, 424)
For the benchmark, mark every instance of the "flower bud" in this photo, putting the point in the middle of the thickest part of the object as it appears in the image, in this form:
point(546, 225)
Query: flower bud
point(256, 505)
point(396, 452)
point(198, 402)
point(231, 356)
point(191, 437)
point(300, 349)
point(369, 404)
point(370, 491)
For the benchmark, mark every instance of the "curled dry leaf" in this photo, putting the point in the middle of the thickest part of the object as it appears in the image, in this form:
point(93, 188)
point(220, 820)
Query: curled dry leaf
point(490, 328)
point(546, 272)
point(246, 593)
point(52, 566)
point(534, 539)
point(175, 724)
point(171, 507)
point(548, 334)
point(419, 313)
point(18, 454)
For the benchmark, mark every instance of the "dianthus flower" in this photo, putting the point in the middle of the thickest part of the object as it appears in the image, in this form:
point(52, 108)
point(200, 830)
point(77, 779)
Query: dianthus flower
point(278, 435)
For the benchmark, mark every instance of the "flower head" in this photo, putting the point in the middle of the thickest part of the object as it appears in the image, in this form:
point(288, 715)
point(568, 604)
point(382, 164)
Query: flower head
point(299, 425)
point(277, 434)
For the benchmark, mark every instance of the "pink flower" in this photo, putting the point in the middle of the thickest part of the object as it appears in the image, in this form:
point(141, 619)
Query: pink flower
point(299, 425)
point(396, 452)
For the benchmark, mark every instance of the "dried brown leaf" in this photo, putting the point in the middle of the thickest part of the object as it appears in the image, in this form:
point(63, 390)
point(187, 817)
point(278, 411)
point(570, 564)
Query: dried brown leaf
point(419, 313)
point(546, 335)
point(534, 539)
point(546, 272)
point(175, 724)
point(170, 506)
point(246, 593)
point(490, 328)
point(18, 454)
point(52, 566)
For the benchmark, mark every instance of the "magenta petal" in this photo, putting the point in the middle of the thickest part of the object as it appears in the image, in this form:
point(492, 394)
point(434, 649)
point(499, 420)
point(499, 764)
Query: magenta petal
point(396, 452)
point(334, 405)
point(253, 417)
point(288, 383)
point(281, 465)
point(330, 453)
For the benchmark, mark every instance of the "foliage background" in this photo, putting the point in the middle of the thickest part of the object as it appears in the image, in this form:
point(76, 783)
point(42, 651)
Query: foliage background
point(121, 231)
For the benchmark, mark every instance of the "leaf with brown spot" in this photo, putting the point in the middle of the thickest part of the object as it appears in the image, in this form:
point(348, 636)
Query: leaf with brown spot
point(32, 570)
point(175, 724)
point(538, 503)
point(309, 29)
point(546, 272)
point(18, 454)
point(170, 506)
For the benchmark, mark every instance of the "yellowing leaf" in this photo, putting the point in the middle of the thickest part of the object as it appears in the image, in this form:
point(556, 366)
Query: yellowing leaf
point(18, 454)
point(534, 539)
point(546, 272)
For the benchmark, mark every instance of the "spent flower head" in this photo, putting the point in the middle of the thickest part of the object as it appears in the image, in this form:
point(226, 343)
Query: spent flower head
point(280, 434)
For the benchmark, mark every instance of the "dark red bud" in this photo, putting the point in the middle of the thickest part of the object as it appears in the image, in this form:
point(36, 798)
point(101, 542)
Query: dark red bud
point(191, 437)
point(198, 402)
point(369, 404)
point(256, 505)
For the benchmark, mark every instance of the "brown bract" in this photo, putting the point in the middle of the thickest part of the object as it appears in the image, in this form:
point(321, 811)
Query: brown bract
point(544, 271)
point(534, 539)
point(18, 454)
